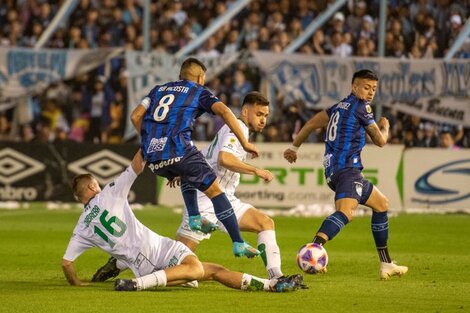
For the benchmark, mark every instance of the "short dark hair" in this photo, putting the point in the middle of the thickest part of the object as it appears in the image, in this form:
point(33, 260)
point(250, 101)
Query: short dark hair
point(255, 97)
point(190, 61)
point(365, 74)
point(77, 187)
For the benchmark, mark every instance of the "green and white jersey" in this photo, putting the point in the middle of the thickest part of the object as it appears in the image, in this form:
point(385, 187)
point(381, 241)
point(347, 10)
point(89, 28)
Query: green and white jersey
point(107, 222)
point(226, 141)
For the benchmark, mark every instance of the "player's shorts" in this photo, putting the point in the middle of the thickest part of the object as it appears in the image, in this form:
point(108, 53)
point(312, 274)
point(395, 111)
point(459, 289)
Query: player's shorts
point(207, 211)
point(350, 183)
point(192, 167)
point(170, 253)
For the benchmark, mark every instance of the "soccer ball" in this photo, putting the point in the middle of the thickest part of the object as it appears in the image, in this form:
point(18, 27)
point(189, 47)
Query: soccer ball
point(312, 258)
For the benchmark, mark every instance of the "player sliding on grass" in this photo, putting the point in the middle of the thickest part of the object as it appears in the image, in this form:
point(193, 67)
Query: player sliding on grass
point(347, 122)
point(107, 222)
point(165, 119)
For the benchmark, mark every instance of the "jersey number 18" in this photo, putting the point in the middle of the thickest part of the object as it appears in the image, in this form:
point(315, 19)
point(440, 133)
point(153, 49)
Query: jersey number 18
point(332, 128)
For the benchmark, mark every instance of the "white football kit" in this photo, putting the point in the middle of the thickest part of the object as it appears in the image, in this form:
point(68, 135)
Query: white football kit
point(107, 222)
point(225, 140)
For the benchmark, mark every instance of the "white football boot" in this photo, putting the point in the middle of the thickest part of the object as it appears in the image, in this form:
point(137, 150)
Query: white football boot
point(388, 270)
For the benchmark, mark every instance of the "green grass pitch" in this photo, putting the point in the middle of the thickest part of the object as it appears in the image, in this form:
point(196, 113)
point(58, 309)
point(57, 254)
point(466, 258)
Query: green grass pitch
point(435, 247)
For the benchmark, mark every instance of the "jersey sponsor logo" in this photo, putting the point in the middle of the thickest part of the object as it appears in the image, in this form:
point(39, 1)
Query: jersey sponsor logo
point(16, 166)
point(444, 184)
point(155, 166)
point(104, 165)
point(157, 144)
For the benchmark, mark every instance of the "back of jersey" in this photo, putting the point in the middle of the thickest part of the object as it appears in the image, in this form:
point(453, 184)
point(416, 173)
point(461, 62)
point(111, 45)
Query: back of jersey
point(345, 135)
point(170, 116)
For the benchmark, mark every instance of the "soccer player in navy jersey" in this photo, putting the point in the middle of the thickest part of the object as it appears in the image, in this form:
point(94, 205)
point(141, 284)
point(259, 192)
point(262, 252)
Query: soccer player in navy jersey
point(165, 119)
point(347, 122)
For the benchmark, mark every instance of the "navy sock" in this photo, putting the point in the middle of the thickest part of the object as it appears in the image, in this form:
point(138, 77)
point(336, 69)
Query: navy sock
point(379, 225)
point(224, 212)
point(333, 224)
point(190, 199)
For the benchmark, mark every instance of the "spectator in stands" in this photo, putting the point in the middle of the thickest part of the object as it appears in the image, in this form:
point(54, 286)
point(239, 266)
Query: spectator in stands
point(446, 141)
point(430, 138)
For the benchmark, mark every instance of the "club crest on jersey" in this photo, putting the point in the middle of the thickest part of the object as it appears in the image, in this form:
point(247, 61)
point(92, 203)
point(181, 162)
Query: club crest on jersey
point(157, 144)
point(368, 109)
point(326, 160)
point(358, 188)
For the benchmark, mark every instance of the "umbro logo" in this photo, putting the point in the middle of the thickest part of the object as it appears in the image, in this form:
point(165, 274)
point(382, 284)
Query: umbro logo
point(15, 166)
point(104, 165)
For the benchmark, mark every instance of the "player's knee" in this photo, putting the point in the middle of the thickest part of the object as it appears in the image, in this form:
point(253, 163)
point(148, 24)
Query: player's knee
point(196, 271)
point(383, 205)
point(213, 190)
point(266, 223)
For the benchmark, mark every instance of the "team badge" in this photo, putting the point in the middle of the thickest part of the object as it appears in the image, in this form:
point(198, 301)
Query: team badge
point(358, 188)
point(368, 109)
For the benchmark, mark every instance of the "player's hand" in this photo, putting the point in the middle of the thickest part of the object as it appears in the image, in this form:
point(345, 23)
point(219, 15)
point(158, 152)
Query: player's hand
point(384, 123)
point(175, 182)
point(290, 155)
point(251, 148)
point(264, 174)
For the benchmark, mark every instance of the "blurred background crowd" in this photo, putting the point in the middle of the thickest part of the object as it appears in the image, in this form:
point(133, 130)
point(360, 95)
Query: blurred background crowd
point(93, 107)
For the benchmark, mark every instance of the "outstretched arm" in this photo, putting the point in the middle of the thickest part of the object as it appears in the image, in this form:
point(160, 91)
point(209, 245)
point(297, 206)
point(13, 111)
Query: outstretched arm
point(234, 164)
point(71, 274)
point(319, 120)
point(379, 132)
point(226, 114)
point(138, 163)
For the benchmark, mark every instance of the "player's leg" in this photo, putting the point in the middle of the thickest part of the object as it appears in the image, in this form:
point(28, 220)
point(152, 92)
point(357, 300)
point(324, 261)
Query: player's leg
point(243, 281)
point(186, 235)
point(255, 221)
point(347, 185)
point(379, 225)
point(225, 214)
point(111, 269)
point(195, 221)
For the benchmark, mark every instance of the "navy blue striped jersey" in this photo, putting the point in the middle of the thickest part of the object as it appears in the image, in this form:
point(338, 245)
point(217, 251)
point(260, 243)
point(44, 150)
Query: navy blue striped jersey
point(345, 135)
point(172, 110)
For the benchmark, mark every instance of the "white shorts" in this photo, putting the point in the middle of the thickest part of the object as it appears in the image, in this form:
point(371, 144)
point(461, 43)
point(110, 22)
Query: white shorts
point(170, 253)
point(207, 211)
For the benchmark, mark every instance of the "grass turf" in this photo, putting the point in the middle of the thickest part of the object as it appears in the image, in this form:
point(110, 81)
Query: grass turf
point(435, 247)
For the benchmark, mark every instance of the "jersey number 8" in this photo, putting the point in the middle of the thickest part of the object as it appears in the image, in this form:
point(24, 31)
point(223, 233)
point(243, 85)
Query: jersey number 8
point(163, 107)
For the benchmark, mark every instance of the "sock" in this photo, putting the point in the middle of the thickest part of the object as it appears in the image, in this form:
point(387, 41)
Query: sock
point(270, 252)
point(190, 199)
point(333, 224)
point(379, 225)
point(253, 283)
point(319, 240)
point(157, 278)
point(224, 212)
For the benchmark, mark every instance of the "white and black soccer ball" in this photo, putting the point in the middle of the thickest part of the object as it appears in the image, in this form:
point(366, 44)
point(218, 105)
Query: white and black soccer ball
point(312, 258)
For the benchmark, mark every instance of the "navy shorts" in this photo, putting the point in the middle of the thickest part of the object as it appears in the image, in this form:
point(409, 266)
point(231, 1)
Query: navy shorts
point(350, 183)
point(192, 167)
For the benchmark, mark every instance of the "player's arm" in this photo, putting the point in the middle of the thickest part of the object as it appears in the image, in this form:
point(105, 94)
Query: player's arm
point(379, 132)
point(137, 116)
point(138, 163)
point(234, 164)
point(226, 114)
point(71, 274)
point(319, 120)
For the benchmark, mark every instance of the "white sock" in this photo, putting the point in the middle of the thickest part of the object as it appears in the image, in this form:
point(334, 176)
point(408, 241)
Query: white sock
point(273, 254)
point(157, 279)
point(250, 282)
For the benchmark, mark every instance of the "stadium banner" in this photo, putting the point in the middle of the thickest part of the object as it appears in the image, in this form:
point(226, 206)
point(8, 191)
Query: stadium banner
point(433, 89)
point(26, 71)
point(440, 184)
point(146, 70)
point(303, 183)
point(43, 172)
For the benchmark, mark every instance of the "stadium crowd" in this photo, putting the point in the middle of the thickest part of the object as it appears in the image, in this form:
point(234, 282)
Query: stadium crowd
point(93, 107)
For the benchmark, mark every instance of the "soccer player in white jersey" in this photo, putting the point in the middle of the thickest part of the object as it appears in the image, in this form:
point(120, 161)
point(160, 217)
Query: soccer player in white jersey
point(107, 222)
point(227, 157)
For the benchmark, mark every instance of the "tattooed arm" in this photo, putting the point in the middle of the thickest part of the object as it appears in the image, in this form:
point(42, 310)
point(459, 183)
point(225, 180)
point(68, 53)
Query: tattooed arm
point(379, 132)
